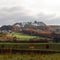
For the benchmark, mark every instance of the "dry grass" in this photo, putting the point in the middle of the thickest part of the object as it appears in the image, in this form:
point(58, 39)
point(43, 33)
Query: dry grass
point(31, 56)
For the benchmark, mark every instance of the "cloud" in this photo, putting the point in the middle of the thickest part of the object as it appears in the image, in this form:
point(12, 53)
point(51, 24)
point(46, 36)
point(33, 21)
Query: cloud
point(42, 16)
point(19, 14)
point(13, 15)
point(51, 19)
point(54, 21)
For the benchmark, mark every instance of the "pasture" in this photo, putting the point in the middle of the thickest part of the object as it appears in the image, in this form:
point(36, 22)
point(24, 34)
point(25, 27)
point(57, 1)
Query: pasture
point(24, 46)
point(21, 36)
point(31, 56)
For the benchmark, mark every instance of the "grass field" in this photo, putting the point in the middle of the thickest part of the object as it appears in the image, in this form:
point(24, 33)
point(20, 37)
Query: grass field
point(31, 56)
point(21, 36)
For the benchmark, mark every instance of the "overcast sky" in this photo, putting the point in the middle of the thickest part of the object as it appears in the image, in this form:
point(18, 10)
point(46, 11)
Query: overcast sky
point(12, 11)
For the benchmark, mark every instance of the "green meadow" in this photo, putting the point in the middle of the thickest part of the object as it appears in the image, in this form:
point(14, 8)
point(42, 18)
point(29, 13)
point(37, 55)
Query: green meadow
point(21, 36)
point(31, 56)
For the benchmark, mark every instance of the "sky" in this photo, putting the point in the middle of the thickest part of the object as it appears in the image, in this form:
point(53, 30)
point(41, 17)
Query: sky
point(12, 11)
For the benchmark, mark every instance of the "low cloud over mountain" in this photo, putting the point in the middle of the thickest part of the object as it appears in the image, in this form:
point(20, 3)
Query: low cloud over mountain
point(19, 14)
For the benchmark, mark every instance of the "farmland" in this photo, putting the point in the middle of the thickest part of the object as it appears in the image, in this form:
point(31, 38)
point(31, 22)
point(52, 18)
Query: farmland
point(28, 46)
point(31, 56)
point(21, 36)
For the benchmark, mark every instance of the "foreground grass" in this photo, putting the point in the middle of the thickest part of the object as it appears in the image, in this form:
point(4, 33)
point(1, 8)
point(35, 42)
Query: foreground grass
point(30, 56)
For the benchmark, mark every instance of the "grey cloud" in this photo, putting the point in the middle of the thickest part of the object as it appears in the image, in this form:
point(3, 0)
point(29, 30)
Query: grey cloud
point(55, 21)
point(49, 19)
point(19, 14)
point(12, 9)
point(13, 15)
point(43, 16)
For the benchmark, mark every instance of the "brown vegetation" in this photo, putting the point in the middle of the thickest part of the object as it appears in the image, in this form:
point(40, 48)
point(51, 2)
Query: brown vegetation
point(5, 37)
point(32, 31)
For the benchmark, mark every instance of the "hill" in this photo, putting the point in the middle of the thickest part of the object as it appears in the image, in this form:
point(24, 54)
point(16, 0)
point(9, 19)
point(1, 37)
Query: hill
point(34, 28)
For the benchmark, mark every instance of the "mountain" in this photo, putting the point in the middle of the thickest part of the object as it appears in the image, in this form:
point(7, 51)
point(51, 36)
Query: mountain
point(18, 24)
point(5, 27)
point(8, 27)
point(36, 25)
point(55, 28)
point(33, 25)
